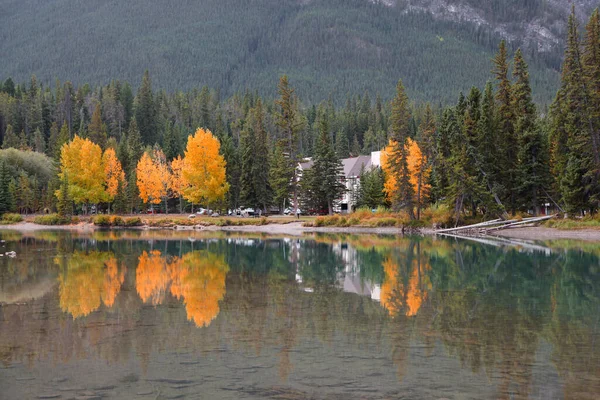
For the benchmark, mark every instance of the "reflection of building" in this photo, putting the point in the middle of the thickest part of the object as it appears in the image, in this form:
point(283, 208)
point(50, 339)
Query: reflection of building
point(349, 279)
point(352, 170)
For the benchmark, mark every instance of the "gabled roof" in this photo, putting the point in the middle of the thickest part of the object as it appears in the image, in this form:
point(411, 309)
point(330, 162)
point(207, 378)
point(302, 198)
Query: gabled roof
point(352, 166)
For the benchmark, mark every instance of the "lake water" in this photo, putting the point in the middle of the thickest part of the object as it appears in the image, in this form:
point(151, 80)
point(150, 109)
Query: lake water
point(190, 315)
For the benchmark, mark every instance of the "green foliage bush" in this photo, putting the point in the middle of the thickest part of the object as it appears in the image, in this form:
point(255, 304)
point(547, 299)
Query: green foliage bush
point(135, 221)
point(10, 218)
point(386, 222)
point(102, 220)
point(52, 219)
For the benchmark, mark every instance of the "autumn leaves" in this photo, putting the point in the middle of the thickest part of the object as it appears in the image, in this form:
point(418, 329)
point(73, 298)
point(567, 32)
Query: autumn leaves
point(95, 278)
point(95, 177)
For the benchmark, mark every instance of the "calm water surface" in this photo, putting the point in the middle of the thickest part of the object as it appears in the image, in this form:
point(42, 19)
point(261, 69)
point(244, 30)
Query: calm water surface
point(169, 315)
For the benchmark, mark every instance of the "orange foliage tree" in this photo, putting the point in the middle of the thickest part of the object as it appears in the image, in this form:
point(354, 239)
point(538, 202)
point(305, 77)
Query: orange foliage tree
point(114, 174)
point(204, 169)
point(149, 180)
point(419, 169)
point(177, 184)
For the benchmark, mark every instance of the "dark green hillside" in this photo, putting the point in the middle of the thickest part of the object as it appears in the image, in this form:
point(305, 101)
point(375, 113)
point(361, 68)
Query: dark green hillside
point(327, 47)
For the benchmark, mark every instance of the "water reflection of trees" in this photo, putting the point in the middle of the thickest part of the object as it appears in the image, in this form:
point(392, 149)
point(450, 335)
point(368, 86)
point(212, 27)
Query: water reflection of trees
point(88, 280)
point(491, 308)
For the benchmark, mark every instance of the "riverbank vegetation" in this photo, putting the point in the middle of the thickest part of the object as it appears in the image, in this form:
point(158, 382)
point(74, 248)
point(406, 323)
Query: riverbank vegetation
point(84, 150)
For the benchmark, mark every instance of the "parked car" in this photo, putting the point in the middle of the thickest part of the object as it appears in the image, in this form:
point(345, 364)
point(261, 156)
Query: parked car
point(248, 212)
point(291, 211)
point(202, 211)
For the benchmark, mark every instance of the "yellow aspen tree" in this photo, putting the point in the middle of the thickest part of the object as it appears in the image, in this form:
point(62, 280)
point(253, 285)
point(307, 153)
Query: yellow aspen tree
point(390, 180)
point(149, 181)
point(204, 169)
point(113, 174)
point(164, 174)
point(178, 183)
point(81, 163)
point(419, 169)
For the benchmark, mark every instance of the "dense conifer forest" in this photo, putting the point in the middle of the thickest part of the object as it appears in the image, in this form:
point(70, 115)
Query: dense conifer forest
point(491, 153)
point(328, 48)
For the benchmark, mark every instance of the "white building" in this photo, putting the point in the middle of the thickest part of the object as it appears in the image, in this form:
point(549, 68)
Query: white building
point(352, 169)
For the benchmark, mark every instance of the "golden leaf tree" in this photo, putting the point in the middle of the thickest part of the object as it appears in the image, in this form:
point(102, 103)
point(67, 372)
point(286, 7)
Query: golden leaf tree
point(178, 183)
point(82, 166)
point(204, 169)
point(114, 174)
point(419, 171)
point(149, 180)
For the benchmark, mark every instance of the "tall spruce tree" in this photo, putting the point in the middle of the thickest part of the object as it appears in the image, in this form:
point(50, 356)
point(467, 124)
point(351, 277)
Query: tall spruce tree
point(507, 145)
point(10, 138)
point(96, 131)
point(280, 177)
point(572, 150)
point(371, 192)
point(290, 124)
point(6, 197)
point(145, 112)
point(533, 164)
point(322, 183)
point(400, 118)
point(590, 59)
point(262, 187)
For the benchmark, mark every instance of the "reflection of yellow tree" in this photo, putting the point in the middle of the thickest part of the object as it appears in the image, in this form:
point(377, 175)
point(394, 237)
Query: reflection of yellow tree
point(395, 295)
point(151, 277)
point(89, 280)
point(113, 279)
point(199, 278)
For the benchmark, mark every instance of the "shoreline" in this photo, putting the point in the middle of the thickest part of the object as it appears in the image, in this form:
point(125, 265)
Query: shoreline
point(296, 229)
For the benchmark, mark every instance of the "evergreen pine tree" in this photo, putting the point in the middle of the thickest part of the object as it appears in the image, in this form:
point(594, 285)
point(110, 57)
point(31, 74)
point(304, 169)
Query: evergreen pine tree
point(134, 144)
point(52, 140)
point(572, 150)
point(342, 144)
point(280, 177)
point(97, 129)
point(260, 173)
point(145, 112)
point(247, 149)
point(400, 130)
point(10, 138)
point(290, 125)
point(371, 194)
point(532, 154)
point(355, 151)
point(6, 197)
point(39, 143)
point(63, 137)
point(323, 185)
point(507, 144)
point(64, 206)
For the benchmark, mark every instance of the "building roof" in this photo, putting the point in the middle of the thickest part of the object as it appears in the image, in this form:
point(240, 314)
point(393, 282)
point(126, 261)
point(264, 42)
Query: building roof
point(352, 166)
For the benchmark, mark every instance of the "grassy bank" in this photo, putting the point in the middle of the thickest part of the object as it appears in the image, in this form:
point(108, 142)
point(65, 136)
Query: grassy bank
point(574, 224)
point(382, 217)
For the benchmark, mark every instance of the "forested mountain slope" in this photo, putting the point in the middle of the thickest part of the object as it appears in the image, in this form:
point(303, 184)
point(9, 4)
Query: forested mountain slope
point(327, 47)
